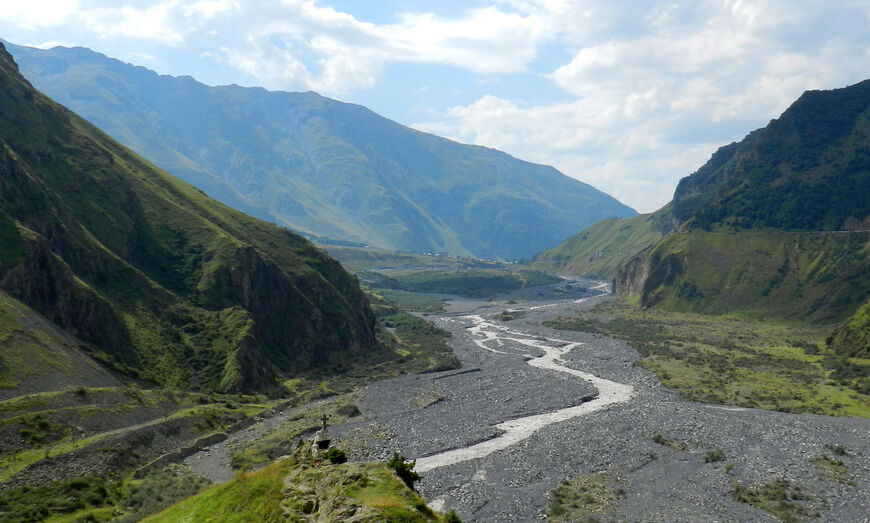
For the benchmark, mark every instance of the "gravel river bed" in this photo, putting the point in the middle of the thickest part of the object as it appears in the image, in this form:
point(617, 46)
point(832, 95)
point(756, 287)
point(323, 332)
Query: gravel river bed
point(532, 407)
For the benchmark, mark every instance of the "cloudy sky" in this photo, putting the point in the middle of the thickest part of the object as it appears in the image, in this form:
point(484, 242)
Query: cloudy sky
point(628, 95)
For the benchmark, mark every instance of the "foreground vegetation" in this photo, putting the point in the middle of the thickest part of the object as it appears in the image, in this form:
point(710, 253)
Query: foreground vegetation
point(283, 439)
point(736, 361)
point(584, 497)
point(303, 487)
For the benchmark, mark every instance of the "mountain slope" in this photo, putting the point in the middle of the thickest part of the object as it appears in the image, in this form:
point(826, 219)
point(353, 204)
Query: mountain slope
point(598, 250)
point(321, 167)
point(159, 280)
point(775, 224)
point(807, 170)
point(807, 276)
point(36, 356)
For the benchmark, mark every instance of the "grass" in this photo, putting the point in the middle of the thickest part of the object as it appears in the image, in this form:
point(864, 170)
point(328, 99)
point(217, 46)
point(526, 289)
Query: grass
point(583, 497)
point(662, 440)
point(70, 497)
point(304, 486)
point(472, 283)
point(731, 360)
point(414, 301)
point(714, 456)
point(783, 499)
point(599, 249)
point(99, 499)
point(282, 440)
point(831, 468)
point(507, 315)
point(208, 418)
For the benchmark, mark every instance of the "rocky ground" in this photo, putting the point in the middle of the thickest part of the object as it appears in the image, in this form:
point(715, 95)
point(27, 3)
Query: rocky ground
point(426, 414)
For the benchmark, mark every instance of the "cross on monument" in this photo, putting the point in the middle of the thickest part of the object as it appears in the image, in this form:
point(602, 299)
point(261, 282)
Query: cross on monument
point(324, 418)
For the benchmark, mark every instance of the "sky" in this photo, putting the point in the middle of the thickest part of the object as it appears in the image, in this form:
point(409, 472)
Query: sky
point(626, 95)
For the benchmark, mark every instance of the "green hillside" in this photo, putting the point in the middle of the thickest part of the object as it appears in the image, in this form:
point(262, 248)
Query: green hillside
point(324, 168)
point(814, 276)
point(775, 225)
point(597, 251)
point(160, 282)
point(852, 337)
point(807, 170)
point(36, 356)
point(301, 488)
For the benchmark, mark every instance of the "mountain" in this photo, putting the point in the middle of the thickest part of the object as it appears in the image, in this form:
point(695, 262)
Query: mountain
point(598, 250)
point(851, 338)
point(154, 278)
point(776, 224)
point(321, 167)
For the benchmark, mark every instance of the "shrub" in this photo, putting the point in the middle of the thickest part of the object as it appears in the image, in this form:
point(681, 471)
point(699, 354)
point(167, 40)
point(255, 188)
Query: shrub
point(714, 456)
point(404, 469)
point(336, 456)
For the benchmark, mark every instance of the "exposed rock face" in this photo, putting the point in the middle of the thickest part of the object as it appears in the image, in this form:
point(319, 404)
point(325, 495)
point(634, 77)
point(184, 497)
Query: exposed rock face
point(163, 282)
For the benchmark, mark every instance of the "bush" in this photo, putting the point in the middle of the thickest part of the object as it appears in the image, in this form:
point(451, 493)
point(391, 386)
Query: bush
point(336, 456)
point(714, 456)
point(404, 469)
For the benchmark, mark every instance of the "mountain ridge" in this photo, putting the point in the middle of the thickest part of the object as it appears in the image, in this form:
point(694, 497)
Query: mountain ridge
point(322, 167)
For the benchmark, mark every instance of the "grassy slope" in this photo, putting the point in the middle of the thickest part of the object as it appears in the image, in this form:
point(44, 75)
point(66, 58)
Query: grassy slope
point(820, 277)
point(801, 172)
point(852, 337)
point(36, 356)
point(598, 250)
point(306, 489)
point(164, 282)
point(323, 167)
point(734, 361)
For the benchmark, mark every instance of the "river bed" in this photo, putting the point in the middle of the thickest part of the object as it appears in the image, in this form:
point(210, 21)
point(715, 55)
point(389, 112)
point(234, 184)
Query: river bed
point(533, 407)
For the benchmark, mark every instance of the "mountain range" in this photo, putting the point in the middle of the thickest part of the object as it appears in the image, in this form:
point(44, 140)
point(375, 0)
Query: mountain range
point(330, 170)
point(152, 278)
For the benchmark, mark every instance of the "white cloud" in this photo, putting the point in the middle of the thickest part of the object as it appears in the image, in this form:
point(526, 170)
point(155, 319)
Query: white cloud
point(37, 13)
point(652, 101)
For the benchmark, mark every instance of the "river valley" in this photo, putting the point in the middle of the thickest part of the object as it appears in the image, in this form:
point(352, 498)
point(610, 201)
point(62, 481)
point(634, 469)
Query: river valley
point(532, 407)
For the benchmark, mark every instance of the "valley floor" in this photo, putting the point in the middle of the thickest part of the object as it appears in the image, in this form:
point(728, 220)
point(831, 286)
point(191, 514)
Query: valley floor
point(659, 457)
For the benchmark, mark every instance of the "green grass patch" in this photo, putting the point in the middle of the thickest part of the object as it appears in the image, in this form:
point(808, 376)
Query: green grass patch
point(472, 283)
point(832, 468)
point(585, 496)
point(70, 497)
point(413, 301)
point(783, 499)
point(508, 315)
point(733, 360)
point(282, 440)
point(662, 440)
point(305, 487)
